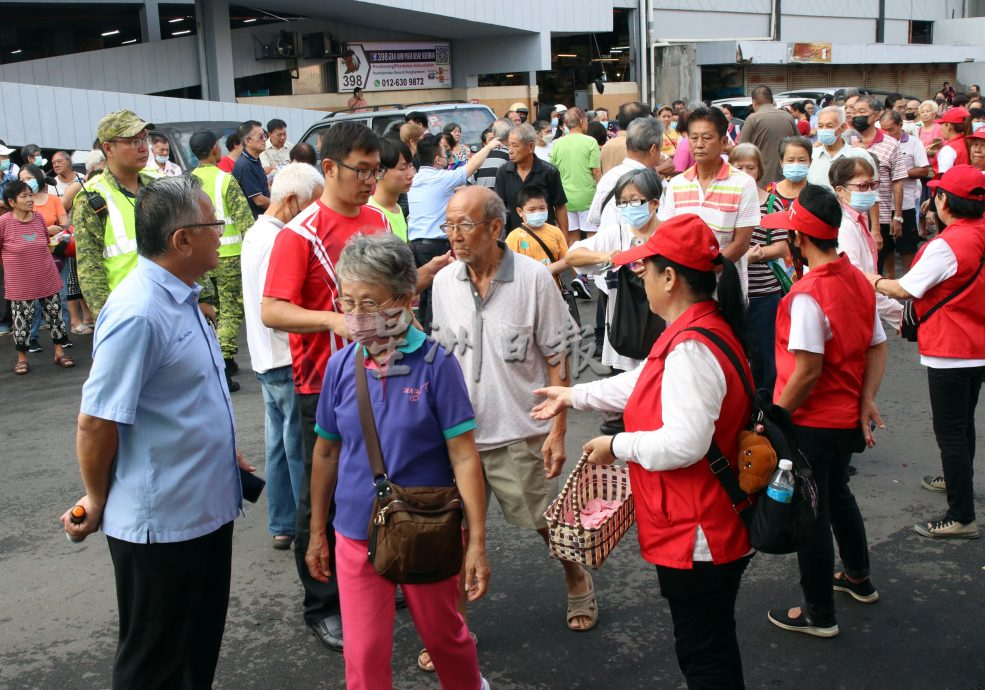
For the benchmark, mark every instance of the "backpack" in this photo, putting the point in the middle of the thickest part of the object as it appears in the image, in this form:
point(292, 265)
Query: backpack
point(774, 527)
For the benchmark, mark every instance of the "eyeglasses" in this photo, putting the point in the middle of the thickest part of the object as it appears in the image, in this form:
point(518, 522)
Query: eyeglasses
point(366, 306)
point(262, 136)
point(218, 224)
point(135, 143)
point(634, 203)
point(864, 186)
point(466, 228)
point(363, 174)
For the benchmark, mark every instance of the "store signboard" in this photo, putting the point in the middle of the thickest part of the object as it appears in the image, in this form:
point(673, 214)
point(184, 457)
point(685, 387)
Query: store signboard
point(810, 52)
point(394, 67)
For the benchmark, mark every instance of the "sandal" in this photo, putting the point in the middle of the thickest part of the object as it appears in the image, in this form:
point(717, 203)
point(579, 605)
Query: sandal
point(22, 368)
point(82, 329)
point(65, 362)
point(583, 605)
point(424, 659)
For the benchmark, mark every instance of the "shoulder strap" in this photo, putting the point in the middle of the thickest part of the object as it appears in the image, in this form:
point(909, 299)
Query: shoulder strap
point(550, 254)
point(962, 288)
point(729, 353)
point(366, 419)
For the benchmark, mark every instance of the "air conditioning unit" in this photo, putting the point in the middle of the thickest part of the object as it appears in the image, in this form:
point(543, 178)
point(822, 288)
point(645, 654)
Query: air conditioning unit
point(323, 46)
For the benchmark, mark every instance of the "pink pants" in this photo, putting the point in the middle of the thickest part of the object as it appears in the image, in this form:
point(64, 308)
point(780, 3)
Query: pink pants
point(367, 624)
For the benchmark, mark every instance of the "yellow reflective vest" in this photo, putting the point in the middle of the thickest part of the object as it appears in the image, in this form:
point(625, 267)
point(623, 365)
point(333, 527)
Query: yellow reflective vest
point(215, 183)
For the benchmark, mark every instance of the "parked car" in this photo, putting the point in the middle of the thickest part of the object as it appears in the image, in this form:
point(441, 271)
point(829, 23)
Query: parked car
point(179, 133)
point(472, 117)
point(837, 93)
point(742, 105)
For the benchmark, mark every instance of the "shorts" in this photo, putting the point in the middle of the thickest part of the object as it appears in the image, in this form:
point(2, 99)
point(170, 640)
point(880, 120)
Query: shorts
point(906, 243)
point(578, 220)
point(515, 475)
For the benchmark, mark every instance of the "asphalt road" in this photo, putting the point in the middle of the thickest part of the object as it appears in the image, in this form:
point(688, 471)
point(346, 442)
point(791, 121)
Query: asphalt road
point(58, 606)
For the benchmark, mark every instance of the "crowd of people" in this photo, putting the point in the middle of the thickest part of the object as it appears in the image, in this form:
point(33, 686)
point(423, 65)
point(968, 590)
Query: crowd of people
point(446, 277)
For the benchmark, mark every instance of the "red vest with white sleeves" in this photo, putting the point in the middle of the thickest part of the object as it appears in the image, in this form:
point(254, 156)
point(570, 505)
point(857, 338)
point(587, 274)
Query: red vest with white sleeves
point(849, 302)
point(960, 146)
point(671, 504)
point(958, 328)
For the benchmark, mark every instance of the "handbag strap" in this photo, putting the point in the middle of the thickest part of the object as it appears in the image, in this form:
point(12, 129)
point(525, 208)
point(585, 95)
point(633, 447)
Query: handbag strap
point(366, 419)
point(962, 288)
point(550, 254)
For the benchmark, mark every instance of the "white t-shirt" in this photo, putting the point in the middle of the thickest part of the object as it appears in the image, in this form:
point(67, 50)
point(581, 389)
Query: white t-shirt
point(945, 159)
point(936, 264)
point(914, 156)
point(810, 329)
point(269, 348)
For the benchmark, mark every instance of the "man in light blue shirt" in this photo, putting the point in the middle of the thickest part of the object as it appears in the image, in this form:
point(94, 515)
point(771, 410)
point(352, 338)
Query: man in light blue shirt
point(157, 448)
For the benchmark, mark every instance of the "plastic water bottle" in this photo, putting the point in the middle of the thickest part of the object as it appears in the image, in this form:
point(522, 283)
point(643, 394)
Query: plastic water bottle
point(782, 484)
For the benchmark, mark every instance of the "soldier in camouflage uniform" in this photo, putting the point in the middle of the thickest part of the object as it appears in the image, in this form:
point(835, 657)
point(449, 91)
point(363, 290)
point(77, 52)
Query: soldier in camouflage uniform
point(103, 214)
point(231, 205)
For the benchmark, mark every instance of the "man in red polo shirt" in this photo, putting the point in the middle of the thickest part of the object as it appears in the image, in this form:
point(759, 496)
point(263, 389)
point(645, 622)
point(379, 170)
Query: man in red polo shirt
point(300, 298)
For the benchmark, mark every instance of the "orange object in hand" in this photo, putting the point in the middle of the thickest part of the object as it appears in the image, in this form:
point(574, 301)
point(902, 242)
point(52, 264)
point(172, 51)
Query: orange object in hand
point(78, 515)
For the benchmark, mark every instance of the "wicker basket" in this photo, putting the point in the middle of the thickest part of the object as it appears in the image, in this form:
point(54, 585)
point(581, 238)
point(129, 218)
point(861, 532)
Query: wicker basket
point(570, 541)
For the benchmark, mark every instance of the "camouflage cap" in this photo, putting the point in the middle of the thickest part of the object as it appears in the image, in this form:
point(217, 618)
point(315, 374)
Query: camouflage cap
point(123, 123)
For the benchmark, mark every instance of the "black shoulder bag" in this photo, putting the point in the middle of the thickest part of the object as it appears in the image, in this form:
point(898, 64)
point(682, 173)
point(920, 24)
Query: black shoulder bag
point(568, 296)
point(634, 328)
point(911, 323)
point(773, 527)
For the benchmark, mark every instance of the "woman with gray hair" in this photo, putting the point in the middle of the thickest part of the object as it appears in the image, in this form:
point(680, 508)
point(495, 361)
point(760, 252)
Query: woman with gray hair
point(425, 423)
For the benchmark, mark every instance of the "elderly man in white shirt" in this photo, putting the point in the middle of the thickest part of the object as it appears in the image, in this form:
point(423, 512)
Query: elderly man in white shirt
point(296, 187)
point(917, 168)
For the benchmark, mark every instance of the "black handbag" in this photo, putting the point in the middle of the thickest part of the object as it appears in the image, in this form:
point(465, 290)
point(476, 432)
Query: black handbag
point(634, 328)
point(566, 294)
point(774, 527)
point(911, 322)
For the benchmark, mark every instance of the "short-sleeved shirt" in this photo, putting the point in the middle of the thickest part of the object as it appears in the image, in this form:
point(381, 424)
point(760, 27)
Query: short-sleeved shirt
point(302, 272)
point(273, 157)
point(544, 175)
point(416, 412)
point(226, 164)
point(613, 152)
point(157, 371)
point(821, 162)
point(892, 167)
point(575, 155)
point(398, 224)
point(521, 323)
point(29, 272)
point(269, 348)
point(51, 210)
point(485, 176)
point(762, 282)
point(521, 242)
point(249, 173)
point(914, 156)
point(428, 199)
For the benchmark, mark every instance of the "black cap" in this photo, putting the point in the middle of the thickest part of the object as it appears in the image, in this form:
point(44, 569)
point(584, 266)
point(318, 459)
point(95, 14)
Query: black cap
point(202, 143)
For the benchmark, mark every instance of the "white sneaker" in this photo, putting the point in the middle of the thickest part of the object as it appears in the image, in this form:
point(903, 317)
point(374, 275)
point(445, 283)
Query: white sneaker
point(485, 683)
point(937, 483)
point(947, 528)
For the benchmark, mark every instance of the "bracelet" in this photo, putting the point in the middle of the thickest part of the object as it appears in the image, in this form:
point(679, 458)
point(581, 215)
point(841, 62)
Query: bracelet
point(875, 285)
point(612, 440)
point(898, 219)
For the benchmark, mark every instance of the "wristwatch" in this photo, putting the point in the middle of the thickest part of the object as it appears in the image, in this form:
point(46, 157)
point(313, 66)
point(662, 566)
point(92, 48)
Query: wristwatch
point(898, 219)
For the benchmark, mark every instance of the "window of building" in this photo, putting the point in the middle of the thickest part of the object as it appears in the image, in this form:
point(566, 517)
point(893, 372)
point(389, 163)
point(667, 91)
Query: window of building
point(921, 32)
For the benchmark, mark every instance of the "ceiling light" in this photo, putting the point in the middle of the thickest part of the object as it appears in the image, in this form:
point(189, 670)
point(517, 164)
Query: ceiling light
point(181, 33)
point(132, 40)
point(110, 33)
point(510, 75)
point(16, 52)
point(567, 55)
point(176, 20)
point(249, 21)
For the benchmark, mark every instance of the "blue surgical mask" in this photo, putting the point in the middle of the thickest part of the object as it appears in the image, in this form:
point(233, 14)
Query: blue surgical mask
point(554, 122)
point(39, 161)
point(795, 172)
point(604, 123)
point(827, 136)
point(33, 184)
point(863, 201)
point(536, 219)
point(5, 164)
point(673, 124)
point(975, 126)
point(636, 216)
point(161, 159)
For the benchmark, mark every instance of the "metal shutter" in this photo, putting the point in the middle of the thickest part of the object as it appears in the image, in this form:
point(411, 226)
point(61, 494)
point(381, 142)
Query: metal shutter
point(808, 76)
point(882, 77)
point(915, 82)
point(848, 75)
point(938, 74)
point(774, 76)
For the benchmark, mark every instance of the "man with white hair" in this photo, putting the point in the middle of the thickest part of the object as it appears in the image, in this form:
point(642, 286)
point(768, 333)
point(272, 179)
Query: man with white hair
point(485, 176)
point(831, 124)
point(295, 188)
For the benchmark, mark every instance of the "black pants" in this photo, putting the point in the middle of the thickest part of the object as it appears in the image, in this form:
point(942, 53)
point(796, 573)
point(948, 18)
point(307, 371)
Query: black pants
point(172, 599)
point(953, 398)
point(601, 306)
point(829, 452)
point(424, 251)
point(702, 606)
point(321, 599)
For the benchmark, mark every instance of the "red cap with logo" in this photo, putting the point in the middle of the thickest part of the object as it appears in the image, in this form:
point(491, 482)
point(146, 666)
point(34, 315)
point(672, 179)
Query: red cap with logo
point(965, 181)
point(797, 217)
point(954, 116)
point(686, 240)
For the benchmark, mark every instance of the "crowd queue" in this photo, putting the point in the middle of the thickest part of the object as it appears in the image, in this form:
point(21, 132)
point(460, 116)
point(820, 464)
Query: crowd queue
point(445, 280)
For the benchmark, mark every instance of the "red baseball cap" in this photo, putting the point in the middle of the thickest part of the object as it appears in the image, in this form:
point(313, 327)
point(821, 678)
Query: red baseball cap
point(980, 134)
point(797, 217)
point(686, 240)
point(965, 181)
point(954, 116)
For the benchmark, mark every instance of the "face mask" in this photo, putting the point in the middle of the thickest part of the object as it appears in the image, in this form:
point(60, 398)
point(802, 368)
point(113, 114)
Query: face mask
point(604, 123)
point(554, 122)
point(827, 136)
point(5, 164)
point(863, 201)
point(673, 125)
point(910, 116)
point(367, 329)
point(548, 138)
point(161, 159)
point(636, 216)
point(33, 184)
point(536, 219)
point(795, 253)
point(860, 123)
point(939, 101)
point(795, 172)
point(975, 126)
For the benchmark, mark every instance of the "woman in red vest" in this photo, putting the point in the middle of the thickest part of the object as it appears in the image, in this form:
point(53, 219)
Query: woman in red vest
point(830, 357)
point(954, 126)
point(674, 404)
point(952, 339)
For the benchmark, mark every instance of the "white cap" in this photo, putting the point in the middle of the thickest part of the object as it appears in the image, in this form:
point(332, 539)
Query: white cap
point(786, 465)
point(560, 108)
point(6, 151)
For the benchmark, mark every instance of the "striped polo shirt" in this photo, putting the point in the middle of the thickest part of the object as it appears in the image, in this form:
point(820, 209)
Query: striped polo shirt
point(892, 167)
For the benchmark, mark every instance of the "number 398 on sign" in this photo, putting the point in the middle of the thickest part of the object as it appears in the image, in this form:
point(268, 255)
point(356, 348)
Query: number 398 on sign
point(352, 81)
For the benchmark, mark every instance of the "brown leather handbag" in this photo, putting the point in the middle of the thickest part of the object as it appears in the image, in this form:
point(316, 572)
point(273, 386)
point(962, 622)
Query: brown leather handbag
point(415, 533)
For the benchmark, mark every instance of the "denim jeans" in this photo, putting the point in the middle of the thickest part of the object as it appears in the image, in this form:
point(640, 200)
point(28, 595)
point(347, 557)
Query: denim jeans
point(761, 317)
point(284, 464)
point(36, 324)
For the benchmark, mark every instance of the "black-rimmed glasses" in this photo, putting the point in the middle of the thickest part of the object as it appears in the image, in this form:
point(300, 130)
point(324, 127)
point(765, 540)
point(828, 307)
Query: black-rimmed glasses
point(363, 174)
